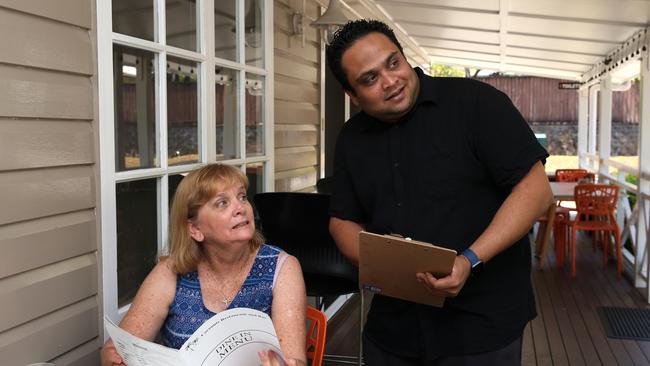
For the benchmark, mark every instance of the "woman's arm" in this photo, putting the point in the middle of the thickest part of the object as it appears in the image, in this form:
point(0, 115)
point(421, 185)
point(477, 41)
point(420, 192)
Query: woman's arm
point(148, 310)
point(289, 309)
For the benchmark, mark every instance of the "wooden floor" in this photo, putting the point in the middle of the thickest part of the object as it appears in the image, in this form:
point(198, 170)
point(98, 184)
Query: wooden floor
point(567, 330)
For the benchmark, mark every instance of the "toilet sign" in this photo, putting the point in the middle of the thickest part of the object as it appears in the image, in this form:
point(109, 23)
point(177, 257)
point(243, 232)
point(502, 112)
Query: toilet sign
point(569, 85)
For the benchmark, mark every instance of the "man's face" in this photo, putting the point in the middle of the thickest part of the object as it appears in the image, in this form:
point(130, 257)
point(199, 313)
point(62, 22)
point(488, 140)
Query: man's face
point(385, 86)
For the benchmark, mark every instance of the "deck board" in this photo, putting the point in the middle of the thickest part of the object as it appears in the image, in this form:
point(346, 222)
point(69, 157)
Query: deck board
point(567, 330)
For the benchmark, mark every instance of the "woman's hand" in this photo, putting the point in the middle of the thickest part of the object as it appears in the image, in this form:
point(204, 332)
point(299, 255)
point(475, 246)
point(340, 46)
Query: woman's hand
point(109, 355)
point(270, 358)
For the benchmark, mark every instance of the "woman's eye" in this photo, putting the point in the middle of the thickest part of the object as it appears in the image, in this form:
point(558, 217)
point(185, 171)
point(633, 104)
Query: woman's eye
point(243, 198)
point(221, 203)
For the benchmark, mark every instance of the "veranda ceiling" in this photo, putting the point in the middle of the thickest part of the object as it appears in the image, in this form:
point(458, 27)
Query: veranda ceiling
point(552, 38)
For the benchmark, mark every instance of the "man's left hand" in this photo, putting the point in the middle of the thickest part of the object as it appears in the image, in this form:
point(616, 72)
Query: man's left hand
point(450, 285)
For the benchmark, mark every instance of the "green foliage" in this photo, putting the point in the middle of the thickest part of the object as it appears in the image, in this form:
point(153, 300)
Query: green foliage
point(446, 71)
point(631, 196)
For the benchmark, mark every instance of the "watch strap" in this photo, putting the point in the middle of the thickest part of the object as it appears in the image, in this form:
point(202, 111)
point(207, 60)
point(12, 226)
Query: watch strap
point(472, 257)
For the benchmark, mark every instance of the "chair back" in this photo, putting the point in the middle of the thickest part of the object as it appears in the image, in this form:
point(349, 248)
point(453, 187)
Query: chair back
point(316, 334)
point(596, 199)
point(299, 224)
point(571, 175)
point(325, 185)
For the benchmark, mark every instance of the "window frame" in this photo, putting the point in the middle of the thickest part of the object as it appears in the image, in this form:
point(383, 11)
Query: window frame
point(206, 129)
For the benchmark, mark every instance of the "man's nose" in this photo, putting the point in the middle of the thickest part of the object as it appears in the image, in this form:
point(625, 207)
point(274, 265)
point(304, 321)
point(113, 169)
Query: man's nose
point(388, 80)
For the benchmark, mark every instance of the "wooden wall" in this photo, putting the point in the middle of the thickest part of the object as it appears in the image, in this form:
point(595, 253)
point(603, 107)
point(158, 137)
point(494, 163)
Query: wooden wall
point(540, 99)
point(48, 267)
point(297, 99)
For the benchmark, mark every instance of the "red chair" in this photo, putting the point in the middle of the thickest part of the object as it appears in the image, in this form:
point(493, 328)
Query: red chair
point(570, 175)
point(596, 207)
point(316, 333)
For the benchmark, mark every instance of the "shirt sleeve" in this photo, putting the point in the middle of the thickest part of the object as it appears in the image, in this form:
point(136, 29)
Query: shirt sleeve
point(504, 141)
point(344, 203)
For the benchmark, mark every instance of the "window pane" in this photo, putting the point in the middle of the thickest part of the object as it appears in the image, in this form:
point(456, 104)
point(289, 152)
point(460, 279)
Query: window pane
point(255, 174)
point(225, 38)
point(182, 106)
point(226, 114)
point(136, 235)
point(174, 181)
point(254, 35)
point(254, 115)
point(134, 84)
point(134, 18)
point(181, 24)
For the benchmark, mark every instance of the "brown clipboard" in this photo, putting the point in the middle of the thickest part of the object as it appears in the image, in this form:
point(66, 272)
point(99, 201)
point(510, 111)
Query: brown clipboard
point(388, 264)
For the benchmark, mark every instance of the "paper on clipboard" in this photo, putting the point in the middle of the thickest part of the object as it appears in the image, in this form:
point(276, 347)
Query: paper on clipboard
point(388, 264)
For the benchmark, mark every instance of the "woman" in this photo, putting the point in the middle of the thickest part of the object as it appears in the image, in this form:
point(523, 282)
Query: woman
point(217, 261)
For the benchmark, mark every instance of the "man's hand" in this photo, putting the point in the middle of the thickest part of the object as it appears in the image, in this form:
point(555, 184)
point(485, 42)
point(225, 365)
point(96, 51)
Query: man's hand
point(450, 285)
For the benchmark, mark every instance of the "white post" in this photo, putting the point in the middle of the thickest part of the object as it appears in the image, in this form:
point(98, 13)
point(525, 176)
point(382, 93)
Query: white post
point(605, 124)
point(593, 123)
point(583, 113)
point(643, 187)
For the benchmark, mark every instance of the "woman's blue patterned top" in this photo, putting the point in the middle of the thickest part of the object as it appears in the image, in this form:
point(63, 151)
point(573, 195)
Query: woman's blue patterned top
point(187, 312)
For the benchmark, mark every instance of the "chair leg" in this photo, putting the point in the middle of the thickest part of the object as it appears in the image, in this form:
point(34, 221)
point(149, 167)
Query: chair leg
point(559, 234)
point(573, 251)
point(605, 248)
point(619, 255)
point(361, 318)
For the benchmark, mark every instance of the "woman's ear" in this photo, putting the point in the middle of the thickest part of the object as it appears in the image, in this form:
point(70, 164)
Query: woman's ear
point(195, 232)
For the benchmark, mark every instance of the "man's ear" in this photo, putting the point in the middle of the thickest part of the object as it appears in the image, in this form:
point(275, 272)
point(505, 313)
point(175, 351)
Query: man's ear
point(195, 232)
point(353, 97)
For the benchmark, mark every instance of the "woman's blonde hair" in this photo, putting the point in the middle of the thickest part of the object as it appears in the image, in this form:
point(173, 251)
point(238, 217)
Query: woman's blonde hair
point(197, 188)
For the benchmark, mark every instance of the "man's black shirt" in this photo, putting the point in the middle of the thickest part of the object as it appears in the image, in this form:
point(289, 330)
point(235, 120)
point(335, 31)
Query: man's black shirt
point(439, 175)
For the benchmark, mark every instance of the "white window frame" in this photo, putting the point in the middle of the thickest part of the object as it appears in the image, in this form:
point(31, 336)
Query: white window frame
point(206, 62)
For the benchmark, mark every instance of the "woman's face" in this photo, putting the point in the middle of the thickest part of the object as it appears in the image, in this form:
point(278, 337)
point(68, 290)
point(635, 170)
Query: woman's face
point(226, 218)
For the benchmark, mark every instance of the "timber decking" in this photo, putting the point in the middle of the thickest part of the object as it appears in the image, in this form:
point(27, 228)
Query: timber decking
point(567, 330)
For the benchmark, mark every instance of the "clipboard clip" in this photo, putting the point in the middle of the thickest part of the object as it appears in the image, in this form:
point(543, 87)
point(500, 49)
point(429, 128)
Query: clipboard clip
point(398, 236)
point(371, 288)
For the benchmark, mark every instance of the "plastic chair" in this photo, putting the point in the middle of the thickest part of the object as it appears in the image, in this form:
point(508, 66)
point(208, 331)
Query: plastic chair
point(596, 207)
point(570, 175)
point(316, 334)
point(299, 224)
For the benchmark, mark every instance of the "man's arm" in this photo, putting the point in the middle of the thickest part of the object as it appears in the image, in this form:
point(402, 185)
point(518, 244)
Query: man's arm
point(346, 236)
point(528, 200)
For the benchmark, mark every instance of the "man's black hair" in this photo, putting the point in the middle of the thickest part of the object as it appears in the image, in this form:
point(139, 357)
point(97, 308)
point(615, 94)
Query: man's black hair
point(346, 36)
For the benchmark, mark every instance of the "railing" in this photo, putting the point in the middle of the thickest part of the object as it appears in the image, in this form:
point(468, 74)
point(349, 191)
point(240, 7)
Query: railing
point(634, 219)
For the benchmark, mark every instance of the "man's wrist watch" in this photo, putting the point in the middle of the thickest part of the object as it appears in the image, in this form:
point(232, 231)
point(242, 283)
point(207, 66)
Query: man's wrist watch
point(474, 261)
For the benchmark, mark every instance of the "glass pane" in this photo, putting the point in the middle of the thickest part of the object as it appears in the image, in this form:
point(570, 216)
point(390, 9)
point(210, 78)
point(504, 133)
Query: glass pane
point(226, 114)
point(254, 115)
point(254, 35)
point(255, 174)
point(134, 74)
point(181, 24)
point(134, 18)
point(137, 246)
point(182, 106)
point(174, 181)
point(225, 38)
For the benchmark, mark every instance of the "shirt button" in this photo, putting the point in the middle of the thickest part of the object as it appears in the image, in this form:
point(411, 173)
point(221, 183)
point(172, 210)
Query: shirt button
point(399, 204)
point(395, 164)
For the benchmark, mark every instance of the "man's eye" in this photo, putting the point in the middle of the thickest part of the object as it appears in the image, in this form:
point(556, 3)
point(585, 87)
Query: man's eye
point(369, 79)
point(393, 63)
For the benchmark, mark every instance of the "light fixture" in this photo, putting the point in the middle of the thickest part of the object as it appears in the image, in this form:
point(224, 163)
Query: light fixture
point(331, 20)
point(253, 32)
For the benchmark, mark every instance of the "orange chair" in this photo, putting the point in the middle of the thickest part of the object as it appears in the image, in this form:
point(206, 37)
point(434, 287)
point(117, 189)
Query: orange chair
point(316, 333)
point(596, 207)
point(570, 175)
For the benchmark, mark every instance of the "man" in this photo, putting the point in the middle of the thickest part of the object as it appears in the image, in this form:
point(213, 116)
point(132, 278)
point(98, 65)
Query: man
point(448, 161)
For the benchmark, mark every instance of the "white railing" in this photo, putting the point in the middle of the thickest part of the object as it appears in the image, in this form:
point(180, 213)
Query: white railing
point(635, 256)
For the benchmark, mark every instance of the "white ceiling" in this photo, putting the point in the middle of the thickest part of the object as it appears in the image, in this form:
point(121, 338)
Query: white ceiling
point(554, 38)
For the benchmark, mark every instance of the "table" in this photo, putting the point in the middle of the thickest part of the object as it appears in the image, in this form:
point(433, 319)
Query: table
point(561, 191)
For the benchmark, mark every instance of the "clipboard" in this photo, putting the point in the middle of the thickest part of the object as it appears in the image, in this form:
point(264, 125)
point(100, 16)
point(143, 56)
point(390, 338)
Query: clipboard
point(388, 264)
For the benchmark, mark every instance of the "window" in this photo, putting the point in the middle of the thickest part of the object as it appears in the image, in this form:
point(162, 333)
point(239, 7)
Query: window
point(181, 83)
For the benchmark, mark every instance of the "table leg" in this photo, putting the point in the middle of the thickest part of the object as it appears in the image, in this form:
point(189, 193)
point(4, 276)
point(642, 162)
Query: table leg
point(544, 235)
